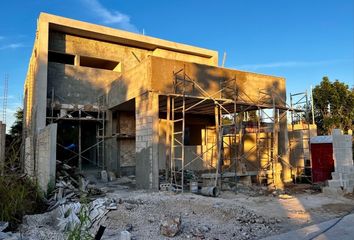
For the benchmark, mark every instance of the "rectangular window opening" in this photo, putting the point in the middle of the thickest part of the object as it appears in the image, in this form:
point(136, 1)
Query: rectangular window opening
point(100, 63)
point(193, 135)
point(63, 58)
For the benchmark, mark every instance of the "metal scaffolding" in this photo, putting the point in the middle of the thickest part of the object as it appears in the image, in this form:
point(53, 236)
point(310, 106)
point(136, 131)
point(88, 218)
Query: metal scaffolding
point(77, 114)
point(299, 103)
point(231, 103)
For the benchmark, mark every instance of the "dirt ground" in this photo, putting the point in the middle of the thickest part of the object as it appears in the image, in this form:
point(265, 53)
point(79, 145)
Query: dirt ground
point(252, 213)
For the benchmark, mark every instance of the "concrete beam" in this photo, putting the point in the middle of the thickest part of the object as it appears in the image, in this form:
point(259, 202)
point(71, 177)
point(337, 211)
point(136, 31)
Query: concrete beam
point(89, 30)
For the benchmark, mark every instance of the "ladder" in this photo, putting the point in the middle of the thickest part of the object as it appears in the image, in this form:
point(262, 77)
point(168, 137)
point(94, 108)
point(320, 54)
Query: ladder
point(178, 125)
point(231, 131)
point(100, 132)
point(177, 143)
point(266, 140)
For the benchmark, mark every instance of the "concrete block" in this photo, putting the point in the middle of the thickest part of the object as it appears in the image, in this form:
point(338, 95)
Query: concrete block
point(334, 183)
point(345, 183)
point(350, 182)
point(349, 189)
point(104, 176)
point(345, 169)
point(333, 192)
point(336, 132)
point(347, 176)
point(335, 175)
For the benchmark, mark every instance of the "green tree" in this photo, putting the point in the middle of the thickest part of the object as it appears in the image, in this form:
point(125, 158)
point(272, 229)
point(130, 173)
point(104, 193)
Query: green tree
point(16, 128)
point(333, 106)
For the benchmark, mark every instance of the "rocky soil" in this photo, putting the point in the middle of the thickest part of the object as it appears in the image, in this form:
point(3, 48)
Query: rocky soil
point(253, 213)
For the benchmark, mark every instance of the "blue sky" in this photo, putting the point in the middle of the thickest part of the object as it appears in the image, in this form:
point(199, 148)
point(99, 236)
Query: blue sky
point(300, 40)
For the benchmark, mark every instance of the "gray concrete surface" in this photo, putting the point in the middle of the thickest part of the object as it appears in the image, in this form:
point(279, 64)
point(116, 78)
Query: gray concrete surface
point(333, 229)
point(46, 156)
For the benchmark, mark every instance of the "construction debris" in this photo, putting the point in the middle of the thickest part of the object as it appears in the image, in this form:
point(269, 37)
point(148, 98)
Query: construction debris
point(104, 176)
point(125, 235)
point(9, 236)
point(3, 226)
point(171, 226)
point(210, 191)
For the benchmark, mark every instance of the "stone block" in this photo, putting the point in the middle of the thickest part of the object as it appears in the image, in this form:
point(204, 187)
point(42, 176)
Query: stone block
point(335, 175)
point(333, 192)
point(334, 183)
point(347, 176)
point(345, 169)
point(349, 189)
point(104, 176)
point(345, 183)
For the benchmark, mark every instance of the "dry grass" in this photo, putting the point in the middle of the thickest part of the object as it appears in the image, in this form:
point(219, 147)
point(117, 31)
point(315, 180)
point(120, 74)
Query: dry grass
point(18, 196)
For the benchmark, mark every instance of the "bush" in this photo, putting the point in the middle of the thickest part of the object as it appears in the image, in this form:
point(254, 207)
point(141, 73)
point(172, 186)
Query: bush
point(19, 196)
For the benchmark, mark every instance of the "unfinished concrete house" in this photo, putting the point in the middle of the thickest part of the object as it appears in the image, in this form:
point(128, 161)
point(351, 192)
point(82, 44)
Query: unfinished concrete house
point(99, 98)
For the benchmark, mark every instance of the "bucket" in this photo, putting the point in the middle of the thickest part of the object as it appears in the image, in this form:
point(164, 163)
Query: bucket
point(194, 187)
point(210, 191)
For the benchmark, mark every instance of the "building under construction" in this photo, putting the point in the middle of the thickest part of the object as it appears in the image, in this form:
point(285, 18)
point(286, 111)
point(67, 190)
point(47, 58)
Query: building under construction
point(104, 99)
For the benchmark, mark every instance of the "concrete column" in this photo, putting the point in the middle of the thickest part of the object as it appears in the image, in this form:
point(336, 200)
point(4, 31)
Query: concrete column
point(2, 147)
point(29, 165)
point(146, 147)
point(111, 151)
point(283, 146)
point(41, 76)
point(46, 157)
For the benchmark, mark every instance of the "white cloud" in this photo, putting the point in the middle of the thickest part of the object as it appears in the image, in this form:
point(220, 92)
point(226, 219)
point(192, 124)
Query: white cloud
point(290, 64)
point(12, 46)
point(110, 17)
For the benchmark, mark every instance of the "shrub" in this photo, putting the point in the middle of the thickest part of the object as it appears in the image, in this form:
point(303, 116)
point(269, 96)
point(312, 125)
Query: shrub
point(19, 196)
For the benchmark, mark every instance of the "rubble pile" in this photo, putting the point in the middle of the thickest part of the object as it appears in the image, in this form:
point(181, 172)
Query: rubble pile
point(186, 216)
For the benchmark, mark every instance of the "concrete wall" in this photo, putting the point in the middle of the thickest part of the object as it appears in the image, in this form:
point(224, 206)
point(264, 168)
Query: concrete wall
point(126, 126)
point(209, 77)
point(128, 56)
point(132, 83)
point(78, 85)
point(299, 144)
point(156, 74)
point(46, 156)
point(147, 138)
point(342, 149)
point(205, 125)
